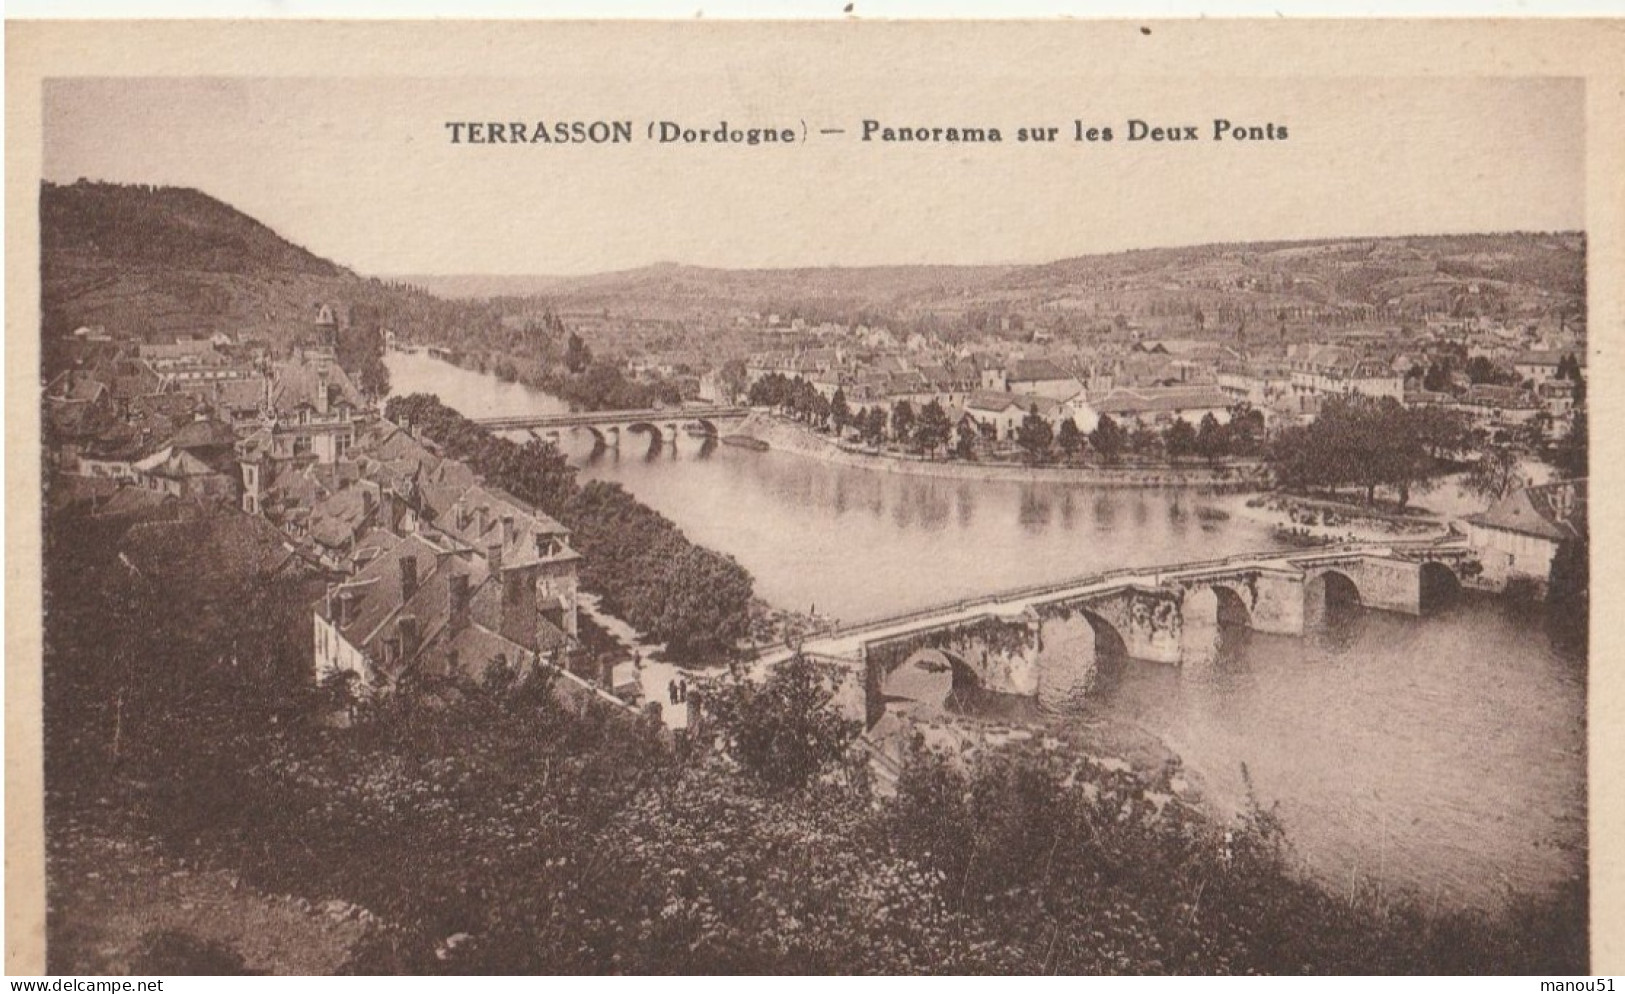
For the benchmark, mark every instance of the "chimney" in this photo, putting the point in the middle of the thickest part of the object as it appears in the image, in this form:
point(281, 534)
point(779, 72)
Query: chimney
point(321, 390)
point(493, 557)
point(409, 577)
point(408, 626)
point(457, 588)
point(346, 612)
point(507, 529)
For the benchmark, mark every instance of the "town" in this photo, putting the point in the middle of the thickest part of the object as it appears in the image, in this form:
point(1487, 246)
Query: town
point(435, 572)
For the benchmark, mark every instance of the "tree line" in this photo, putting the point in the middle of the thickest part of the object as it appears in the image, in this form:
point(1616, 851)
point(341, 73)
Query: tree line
point(928, 429)
point(646, 570)
point(585, 382)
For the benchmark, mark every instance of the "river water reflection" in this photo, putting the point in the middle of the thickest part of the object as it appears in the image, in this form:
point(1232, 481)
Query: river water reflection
point(1445, 756)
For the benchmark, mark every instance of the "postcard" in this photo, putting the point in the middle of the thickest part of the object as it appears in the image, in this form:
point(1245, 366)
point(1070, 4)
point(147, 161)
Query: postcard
point(1081, 497)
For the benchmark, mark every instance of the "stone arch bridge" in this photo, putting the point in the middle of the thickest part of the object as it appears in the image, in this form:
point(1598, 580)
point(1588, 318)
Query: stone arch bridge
point(665, 425)
point(1004, 642)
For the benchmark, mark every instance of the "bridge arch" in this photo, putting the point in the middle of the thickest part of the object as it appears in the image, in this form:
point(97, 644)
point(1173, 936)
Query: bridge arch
point(709, 427)
point(1079, 651)
point(927, 679)
point(1217, 604)
point(1329, 592)
point(1439, 586)
point(657, 435)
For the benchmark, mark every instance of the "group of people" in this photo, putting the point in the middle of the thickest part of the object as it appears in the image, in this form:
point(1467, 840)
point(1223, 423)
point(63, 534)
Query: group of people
point(677, 690)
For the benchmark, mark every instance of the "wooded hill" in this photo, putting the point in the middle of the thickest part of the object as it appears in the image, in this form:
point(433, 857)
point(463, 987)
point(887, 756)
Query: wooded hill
point(1387, 278)
point(154, 263)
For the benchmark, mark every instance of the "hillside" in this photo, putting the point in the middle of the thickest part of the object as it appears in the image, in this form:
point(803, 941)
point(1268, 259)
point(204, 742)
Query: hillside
point(156, 262)
point(166, 226)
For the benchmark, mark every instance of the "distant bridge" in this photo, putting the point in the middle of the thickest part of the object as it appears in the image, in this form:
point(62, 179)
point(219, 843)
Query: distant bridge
point(607, 427)
point(1044, 640)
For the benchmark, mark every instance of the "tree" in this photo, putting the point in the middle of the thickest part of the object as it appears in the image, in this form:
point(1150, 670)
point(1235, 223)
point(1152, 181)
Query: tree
point(839, 411)
point(360, 350)
point(965, 441)
point(1144, 440)
point(1443, 433)
point(1179, 438)
point(1212, 439)
point(1069, 439)
point(1245, 430)
point(1035, 435)
point(934, 429)
point(1571, 456)
point(731, 377)
point(786, 730)
point(819, 410)
point(1495, 473)
point(577, 357)
point(875, 430)
point(1481, 370)
point(1108, 439)
point(902, 420)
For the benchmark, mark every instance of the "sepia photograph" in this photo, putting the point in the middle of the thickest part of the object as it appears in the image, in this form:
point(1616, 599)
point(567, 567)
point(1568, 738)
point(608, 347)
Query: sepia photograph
point(805, 501)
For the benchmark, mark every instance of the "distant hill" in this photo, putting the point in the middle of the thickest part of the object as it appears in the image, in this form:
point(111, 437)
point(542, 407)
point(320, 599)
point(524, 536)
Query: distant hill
point(863, 284)
point(1516, 273)
point(156, 262)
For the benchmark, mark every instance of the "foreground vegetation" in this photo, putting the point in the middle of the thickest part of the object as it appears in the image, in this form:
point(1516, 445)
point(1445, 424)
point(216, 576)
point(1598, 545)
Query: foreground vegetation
point(501, 828)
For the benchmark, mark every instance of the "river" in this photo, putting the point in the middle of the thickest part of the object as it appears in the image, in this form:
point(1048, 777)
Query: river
point(1443, 756)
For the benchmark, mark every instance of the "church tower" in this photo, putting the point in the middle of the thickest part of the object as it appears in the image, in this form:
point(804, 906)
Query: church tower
point(327, 326)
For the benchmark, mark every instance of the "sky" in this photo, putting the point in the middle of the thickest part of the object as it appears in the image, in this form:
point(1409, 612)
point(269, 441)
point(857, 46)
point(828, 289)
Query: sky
point(362, 171)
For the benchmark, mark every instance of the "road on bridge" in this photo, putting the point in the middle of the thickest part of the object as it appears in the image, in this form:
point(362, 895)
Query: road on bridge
point(583, 419)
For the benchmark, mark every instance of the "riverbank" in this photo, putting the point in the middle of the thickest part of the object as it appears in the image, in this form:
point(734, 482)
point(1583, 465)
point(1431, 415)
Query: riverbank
point(789, 436)
point(994, 722)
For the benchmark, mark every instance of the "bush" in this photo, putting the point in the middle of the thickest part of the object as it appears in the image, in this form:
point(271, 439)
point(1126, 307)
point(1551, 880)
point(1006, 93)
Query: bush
point(783, 731)
point(175, 953)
